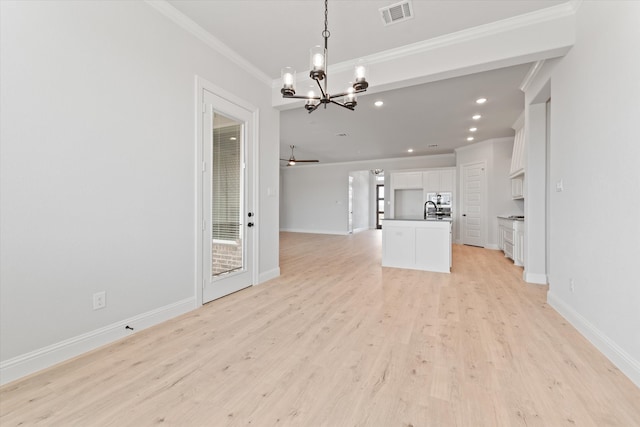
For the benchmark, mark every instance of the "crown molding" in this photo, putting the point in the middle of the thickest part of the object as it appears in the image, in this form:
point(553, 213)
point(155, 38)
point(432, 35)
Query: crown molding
point(482, 143)
point(203, 35)
point(531, 75)
point(368, 161)
point(532, 18)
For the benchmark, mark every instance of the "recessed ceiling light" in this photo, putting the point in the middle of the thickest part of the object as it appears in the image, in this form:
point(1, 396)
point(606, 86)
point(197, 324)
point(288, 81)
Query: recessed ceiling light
point(410, 150)
point(476, 117)
point(378, 103)
point(470, 138)
point(481, 100)
point(473, 129)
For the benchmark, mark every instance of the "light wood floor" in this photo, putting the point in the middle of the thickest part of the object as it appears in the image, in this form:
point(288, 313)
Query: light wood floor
point(339, 341)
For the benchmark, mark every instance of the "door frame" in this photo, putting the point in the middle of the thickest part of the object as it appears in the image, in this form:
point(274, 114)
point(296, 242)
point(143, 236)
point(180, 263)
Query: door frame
point(485, 222)
point(201, 85)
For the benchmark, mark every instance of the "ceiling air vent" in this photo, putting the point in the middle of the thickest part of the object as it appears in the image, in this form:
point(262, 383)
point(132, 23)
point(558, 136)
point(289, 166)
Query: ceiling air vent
point(397, 12)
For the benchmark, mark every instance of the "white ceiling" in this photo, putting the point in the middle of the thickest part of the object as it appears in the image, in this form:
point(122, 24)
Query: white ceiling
point(271, 34)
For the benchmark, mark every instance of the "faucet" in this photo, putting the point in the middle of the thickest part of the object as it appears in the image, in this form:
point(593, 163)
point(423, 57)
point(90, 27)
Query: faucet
point(425, 207)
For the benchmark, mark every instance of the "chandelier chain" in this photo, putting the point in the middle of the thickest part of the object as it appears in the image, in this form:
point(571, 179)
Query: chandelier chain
point(326, 34)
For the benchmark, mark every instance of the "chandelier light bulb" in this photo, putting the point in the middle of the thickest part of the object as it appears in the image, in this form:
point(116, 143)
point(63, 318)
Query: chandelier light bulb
point(350, 98)
point(317, 63)
point(360, 74)
point(318, 60)
point(288, 81)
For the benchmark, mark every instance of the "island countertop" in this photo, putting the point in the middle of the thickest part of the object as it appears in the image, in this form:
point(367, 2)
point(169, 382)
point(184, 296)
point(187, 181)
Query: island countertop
point(435, 219)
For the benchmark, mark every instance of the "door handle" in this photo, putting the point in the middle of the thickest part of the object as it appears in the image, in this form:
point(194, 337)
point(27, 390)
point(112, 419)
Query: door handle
point(250, 214)
point(464, 214)
point(250, 224)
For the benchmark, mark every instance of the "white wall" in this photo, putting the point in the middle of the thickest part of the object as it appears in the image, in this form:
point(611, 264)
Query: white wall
point(98, 168)
point(497, 155)
point(314, 197)
point(595, 95)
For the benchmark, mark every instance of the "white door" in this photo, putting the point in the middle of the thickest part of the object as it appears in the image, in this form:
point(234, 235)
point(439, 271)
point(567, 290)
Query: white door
point(473, 200)
point(228, 219)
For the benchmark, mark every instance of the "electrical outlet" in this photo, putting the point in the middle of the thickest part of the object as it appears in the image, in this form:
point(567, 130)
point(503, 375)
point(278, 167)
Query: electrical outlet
point(99, 300)
point(572, 285)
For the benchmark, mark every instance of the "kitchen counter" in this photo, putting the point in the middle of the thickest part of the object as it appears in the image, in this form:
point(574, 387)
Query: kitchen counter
point(417, 244)
point(430, 218)
point(512, 217)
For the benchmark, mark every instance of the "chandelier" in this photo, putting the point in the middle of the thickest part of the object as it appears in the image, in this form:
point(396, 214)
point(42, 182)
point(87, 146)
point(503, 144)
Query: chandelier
point(319, 74)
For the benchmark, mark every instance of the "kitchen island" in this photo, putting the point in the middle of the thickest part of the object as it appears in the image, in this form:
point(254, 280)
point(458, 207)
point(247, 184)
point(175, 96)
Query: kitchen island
point(418, 244)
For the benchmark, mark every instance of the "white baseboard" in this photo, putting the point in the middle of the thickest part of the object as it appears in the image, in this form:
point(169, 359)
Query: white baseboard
point(297, 230)
point(48, 356)
point(535, 278)
point(492, 246)
point(268, 275)
point(358, 230)
point(620, 358)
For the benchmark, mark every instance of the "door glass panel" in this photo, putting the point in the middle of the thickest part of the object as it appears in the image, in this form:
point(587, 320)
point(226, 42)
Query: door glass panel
point(227, 188)
point(380, 207)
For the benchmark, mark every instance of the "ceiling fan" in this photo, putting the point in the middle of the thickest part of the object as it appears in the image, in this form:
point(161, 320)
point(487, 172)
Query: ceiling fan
point(292, 160)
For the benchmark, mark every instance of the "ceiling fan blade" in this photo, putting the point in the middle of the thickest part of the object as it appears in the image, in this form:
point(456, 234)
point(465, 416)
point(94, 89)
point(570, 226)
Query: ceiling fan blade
point(292, 160)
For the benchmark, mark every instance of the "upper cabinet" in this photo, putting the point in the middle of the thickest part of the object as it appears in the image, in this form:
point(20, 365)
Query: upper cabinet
point(517, 159)
point(439, 181)
point(409, 190)
point(406, 180)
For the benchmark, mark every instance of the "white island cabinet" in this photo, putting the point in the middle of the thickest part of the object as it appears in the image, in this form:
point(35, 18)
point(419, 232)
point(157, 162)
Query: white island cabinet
point(417, 244)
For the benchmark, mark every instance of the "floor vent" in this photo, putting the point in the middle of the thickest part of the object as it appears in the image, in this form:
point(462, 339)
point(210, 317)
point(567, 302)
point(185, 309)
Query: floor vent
point(397, 12)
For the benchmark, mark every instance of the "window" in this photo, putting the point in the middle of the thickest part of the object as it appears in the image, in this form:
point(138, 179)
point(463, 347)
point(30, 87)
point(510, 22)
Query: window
point(226, 183)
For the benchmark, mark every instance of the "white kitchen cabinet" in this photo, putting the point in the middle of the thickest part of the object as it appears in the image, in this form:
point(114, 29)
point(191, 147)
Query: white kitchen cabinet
point(439, 181)
point(511, 239)
point(517, 187)
point(518, 157)
point(447, 180)
point(406, 180)
point(518, 249)
point(431, 180)
point(408, 190)
point(418, 244)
